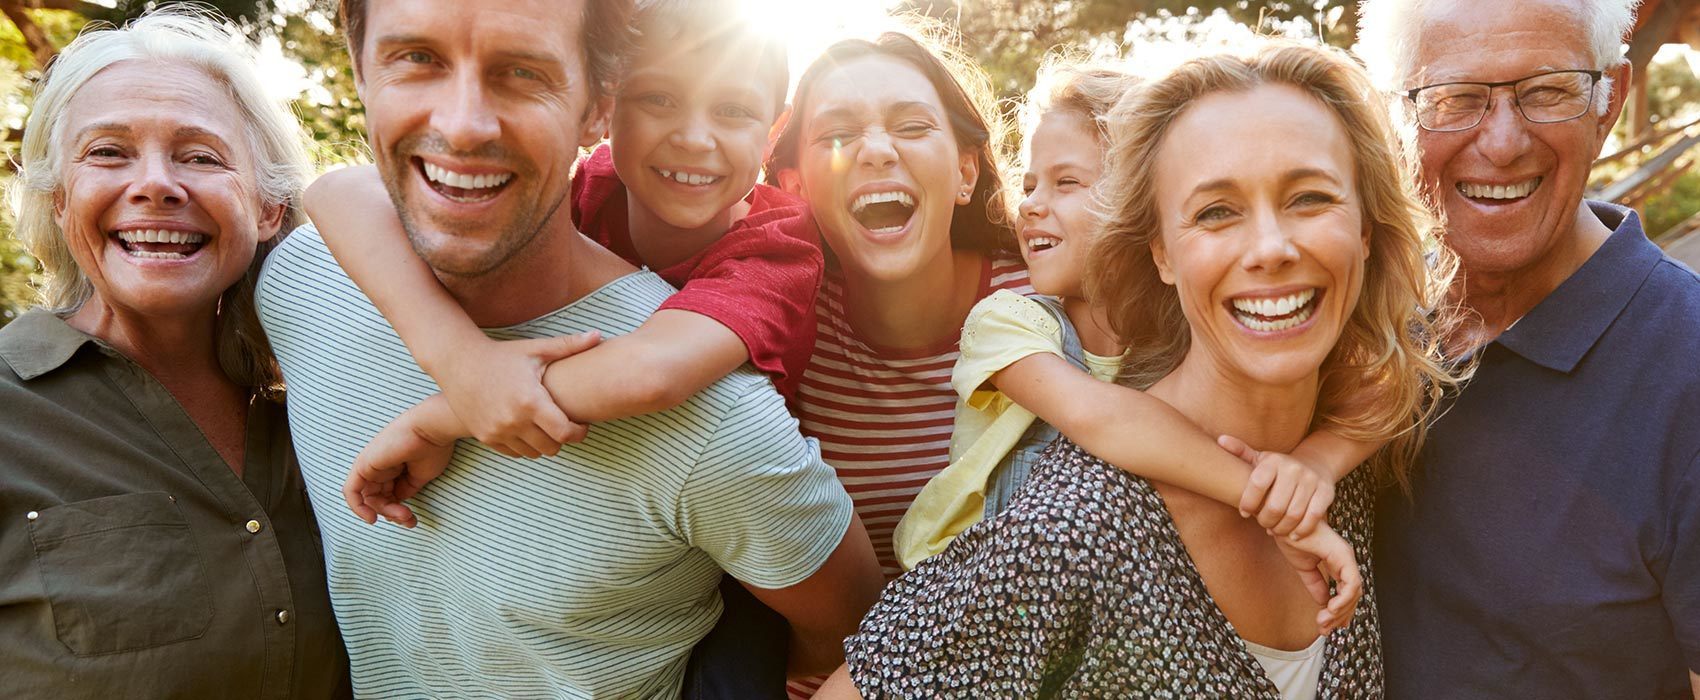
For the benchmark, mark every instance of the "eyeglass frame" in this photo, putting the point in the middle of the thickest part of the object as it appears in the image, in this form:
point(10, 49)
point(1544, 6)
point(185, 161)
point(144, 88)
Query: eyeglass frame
point(1595, 75)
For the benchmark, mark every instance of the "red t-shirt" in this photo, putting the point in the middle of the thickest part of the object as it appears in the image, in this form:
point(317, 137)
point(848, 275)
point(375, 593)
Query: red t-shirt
point(759, 279)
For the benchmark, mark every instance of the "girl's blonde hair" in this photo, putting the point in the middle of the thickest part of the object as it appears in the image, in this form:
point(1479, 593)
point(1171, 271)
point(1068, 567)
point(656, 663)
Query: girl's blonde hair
point(183, 34)
point(1068, 82)
point(1385, 377)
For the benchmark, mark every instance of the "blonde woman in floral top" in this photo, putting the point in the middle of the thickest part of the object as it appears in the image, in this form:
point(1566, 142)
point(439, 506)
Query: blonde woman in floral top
point(1263, 258)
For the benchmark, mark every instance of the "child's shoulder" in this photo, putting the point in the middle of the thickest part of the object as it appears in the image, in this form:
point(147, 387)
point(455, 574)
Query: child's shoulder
point(774, 210)
point(595, 185)
point(1005, 320)
point(1006, 305)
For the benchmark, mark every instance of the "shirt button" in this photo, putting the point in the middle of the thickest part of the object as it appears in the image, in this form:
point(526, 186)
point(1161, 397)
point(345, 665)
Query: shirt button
point(33, 515)
point(253, 526)
point(283, 617)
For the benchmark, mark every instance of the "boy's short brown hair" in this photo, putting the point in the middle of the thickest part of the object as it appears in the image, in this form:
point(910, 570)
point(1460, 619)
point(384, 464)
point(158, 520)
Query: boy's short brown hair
point(717, 25)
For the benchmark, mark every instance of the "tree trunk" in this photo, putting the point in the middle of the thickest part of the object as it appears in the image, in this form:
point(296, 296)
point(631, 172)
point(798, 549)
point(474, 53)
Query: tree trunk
point(34, 38)
point(1655, 31)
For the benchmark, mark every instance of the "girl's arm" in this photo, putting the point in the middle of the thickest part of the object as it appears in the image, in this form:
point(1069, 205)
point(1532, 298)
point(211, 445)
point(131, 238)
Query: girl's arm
point(1290, 493)
point(1125, 427)
point(1335, 454)
point(1148, 438)
point(1321, 460)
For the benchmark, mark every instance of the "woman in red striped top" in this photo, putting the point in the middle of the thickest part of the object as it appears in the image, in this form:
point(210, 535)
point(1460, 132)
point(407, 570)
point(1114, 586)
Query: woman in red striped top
point(893, 144)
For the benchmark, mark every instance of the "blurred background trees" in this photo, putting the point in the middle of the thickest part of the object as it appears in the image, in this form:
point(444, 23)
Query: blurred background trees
point(304, 56)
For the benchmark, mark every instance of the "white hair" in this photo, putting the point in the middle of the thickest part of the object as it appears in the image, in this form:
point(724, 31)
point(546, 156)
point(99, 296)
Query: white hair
point(196, 36)
point(1389, 32)
point(183, 34)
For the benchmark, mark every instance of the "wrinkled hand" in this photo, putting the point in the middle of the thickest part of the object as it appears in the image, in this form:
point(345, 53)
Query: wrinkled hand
point(398, 462)
point(1318, 558)
point(497, 392)
point(1287, 496)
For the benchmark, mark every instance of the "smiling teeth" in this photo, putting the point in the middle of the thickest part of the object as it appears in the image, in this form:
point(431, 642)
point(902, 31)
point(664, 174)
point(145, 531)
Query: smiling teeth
point(871, 198)
point(158, 236)
point(684, 178)
point(1042, 243)
point(1517, 191)
point(1258, 324)
point(1268, 315)
point(444, 176)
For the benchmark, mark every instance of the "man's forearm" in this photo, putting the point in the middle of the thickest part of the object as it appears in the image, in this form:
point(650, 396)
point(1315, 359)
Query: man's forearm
point(814, 654)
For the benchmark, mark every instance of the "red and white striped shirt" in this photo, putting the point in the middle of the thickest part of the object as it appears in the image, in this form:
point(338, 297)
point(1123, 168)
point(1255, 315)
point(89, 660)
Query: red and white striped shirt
point(883, 418)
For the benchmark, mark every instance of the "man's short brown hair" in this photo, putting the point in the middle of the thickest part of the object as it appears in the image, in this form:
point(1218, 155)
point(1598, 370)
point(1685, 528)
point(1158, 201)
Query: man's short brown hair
point(605, 37)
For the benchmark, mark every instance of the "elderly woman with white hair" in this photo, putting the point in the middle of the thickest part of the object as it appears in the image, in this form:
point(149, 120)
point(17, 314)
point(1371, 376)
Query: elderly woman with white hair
point(157, 539)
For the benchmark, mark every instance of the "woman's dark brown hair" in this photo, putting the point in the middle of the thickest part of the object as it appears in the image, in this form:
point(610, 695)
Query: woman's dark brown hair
point(974, 118)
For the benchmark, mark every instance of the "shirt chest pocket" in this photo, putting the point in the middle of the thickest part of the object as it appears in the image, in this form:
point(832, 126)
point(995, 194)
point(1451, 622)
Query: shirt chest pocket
point(121, 573)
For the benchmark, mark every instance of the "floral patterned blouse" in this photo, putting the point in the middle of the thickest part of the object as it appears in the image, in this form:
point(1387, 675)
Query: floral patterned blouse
point(1083, 589)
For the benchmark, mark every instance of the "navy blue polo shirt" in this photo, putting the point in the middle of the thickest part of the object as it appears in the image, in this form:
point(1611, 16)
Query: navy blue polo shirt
point(1551, 545)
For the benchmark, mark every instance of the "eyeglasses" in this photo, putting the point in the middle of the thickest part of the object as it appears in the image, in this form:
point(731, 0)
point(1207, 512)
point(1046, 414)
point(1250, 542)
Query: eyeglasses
point(1543, 98)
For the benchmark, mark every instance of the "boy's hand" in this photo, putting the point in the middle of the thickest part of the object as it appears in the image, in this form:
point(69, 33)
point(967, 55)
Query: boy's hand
point(400, 460)
point(1288, 497)
point(1318, 558)
point(496, 389)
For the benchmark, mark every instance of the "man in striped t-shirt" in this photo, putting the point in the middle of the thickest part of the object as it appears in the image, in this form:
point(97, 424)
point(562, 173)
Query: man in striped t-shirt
point(592, 572)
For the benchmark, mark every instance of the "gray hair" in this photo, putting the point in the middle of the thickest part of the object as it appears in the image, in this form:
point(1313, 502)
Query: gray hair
point(197, 37)
point(1389, 32)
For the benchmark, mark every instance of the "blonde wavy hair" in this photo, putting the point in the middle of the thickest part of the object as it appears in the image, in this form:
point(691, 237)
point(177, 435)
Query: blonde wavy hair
point(1068, 81)
point(1385, 377)
point(197, 36)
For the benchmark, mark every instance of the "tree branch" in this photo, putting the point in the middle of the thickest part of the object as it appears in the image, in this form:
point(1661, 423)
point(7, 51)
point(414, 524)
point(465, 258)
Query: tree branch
point(86, 9)
point(34, 38)
point(1654, 33)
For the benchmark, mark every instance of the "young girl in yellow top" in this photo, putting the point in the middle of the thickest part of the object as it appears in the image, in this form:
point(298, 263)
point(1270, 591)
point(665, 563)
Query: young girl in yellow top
point(1034, 367)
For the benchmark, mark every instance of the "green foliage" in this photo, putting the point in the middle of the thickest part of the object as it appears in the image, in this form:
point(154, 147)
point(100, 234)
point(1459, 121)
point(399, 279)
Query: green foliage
point(1672, 91)
point(60, 26)
point(1674, 206)
point(329, 109)
point(1008, 37)
point(16, 270)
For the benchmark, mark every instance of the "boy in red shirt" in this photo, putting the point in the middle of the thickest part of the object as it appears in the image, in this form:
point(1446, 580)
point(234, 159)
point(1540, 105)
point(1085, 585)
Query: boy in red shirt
point(674, 191)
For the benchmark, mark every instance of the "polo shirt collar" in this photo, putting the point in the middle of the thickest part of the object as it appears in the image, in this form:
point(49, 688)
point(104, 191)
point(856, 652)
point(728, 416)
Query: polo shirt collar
point(1559, 331)
point(39, 342)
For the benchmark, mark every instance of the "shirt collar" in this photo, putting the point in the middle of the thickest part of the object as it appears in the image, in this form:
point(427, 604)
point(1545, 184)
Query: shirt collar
point(1560, 330)
point(39, 342)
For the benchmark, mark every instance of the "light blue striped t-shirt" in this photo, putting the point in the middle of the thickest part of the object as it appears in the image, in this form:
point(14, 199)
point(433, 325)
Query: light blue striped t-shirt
point(589, 574)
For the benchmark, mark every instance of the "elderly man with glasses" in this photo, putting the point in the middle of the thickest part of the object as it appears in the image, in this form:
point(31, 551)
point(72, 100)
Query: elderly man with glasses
point(1550, 547)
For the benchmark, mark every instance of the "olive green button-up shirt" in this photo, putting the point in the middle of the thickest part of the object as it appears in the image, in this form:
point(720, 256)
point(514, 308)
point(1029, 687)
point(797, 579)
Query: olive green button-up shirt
point(134, 563)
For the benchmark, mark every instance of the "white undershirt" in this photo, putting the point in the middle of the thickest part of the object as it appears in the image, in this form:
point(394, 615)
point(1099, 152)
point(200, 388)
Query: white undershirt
point(1295, 673)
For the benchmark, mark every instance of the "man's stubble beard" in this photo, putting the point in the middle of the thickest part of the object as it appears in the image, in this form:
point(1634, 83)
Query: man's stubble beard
point(516, 234)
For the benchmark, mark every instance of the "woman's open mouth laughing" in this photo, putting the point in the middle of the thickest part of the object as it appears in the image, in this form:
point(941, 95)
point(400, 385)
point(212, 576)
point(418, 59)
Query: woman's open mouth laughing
point(159, 244)
point(883, 213)
point(1274, 314)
